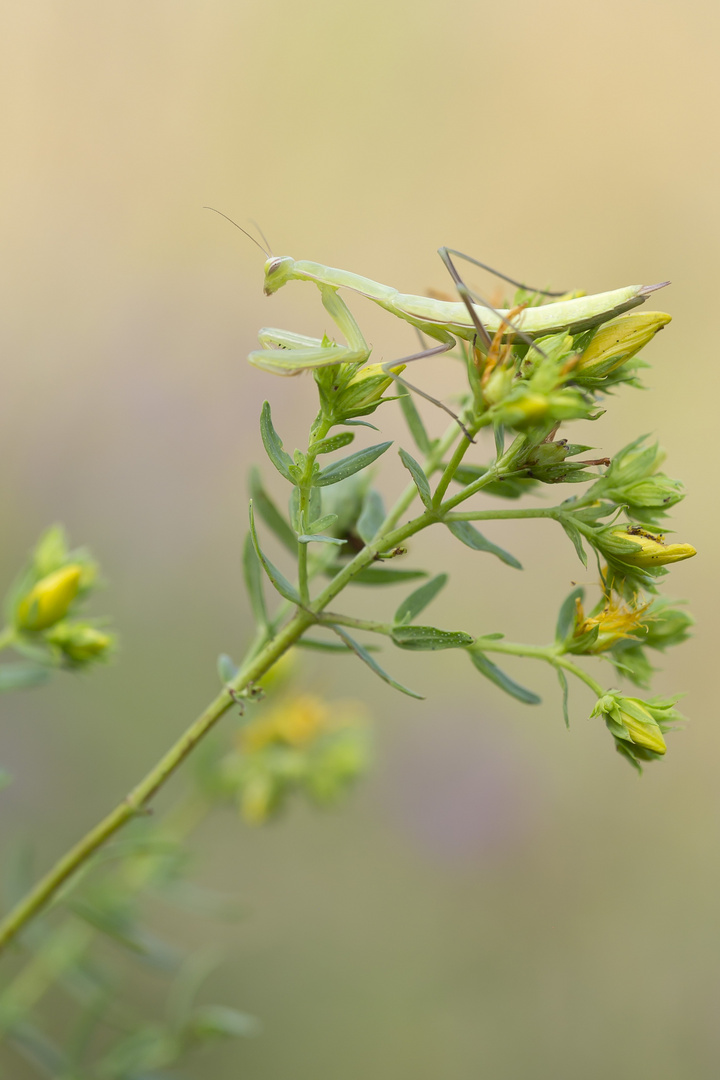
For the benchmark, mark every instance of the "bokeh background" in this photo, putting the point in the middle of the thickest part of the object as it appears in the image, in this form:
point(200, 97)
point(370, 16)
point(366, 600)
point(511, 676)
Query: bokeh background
point(501, 898)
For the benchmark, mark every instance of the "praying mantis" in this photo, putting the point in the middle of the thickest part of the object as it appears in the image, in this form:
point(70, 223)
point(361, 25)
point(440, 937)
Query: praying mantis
point(470, 319)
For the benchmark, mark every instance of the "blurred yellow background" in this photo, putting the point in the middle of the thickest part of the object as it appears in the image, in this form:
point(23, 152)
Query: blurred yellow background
point(502, 898)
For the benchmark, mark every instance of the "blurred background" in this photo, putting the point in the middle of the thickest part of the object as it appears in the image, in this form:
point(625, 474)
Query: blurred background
point(502, 897)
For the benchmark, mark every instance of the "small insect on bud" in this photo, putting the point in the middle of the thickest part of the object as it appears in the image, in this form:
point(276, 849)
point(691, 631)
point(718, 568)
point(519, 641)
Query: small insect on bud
point(618, 341)
point(649, 550)
point(49, 599)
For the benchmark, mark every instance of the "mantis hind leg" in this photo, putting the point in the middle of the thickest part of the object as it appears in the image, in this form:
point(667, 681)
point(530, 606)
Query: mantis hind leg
point(286, 353)
point(470, 298)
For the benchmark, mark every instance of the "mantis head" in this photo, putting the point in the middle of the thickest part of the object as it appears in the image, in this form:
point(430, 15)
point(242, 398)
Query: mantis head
point(278, 270)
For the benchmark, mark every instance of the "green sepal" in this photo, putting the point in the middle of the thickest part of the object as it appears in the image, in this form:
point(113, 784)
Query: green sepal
point(429, 638)
point(562, 679)
point(499, 434)
point(226, 667)
point(333, 442)
point(340, 470)
point(419, 478)
point(371, 517)
point(576, 536)
point(413, 421)
point(273, 444)
point(22, 676)
point(278, 581)
point(417, 601)
point(466, 532)
point(367, 659)
point(566, 615)
point(495, 674)
point(270, 514)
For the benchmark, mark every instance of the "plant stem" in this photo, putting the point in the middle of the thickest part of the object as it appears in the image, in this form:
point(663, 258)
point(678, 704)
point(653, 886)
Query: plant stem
point(7, 636)
point(133, 802)
point(549, 653)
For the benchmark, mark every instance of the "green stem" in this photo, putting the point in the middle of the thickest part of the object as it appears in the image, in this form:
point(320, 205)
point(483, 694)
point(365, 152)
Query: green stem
point(549, 653)
point(491, 515)
point(7, 637)
point(140, 795)
point(452, 466)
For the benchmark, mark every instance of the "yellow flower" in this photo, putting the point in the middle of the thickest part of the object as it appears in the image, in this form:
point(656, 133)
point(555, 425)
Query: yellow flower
point(614, 622)
point(651, 550)
point(295, 722)
point(50, 598)
point(618, 341)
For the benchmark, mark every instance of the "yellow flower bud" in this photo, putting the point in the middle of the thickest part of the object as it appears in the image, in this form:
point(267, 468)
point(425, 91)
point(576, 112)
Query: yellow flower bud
point(366, 388)
point(49, 599)
point(618, 341)
point(643, 732)
point(651, 550)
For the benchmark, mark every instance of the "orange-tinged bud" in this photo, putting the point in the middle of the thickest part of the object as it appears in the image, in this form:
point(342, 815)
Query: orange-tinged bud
point(49, 599)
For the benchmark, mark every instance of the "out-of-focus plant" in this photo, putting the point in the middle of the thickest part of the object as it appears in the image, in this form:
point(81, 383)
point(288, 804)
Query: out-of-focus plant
point(338, 533)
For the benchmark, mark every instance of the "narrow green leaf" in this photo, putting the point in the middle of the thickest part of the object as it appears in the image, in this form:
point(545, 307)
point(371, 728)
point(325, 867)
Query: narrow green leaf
point(22, 676)
point(329, 646)
point(277, 580)
point(429, 638)
point(227, 668)
point(321, 524)
point(413, 604)
point(217, 1021)
point(419, 478)
point(466, 532)
point(562, 678)
point(367, 659)
point(371, 517)
point(306, 538)
point(376, 575)
point(334, 442)
point(566, 616)
point(494, 674)
point(359, 423)
point(273, 443)
point(270, 514)
point(340, 470)
point(413, 421)
point(253, 582)
point(576, 536)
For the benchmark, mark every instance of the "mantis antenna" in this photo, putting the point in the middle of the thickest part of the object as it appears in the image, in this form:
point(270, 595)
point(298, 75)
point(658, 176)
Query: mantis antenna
point(249, 235)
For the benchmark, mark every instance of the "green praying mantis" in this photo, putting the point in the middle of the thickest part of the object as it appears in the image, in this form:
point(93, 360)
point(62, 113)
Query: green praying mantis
point(471, 319)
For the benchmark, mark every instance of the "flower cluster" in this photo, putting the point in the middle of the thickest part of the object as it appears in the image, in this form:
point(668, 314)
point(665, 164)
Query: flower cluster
point(301, 744)
point(42, 605)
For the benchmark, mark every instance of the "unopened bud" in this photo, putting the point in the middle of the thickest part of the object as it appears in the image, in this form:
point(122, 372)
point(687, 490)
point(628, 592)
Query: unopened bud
point(81, 643)
point(649, 550)
point(49, 599)
point(618, 341)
